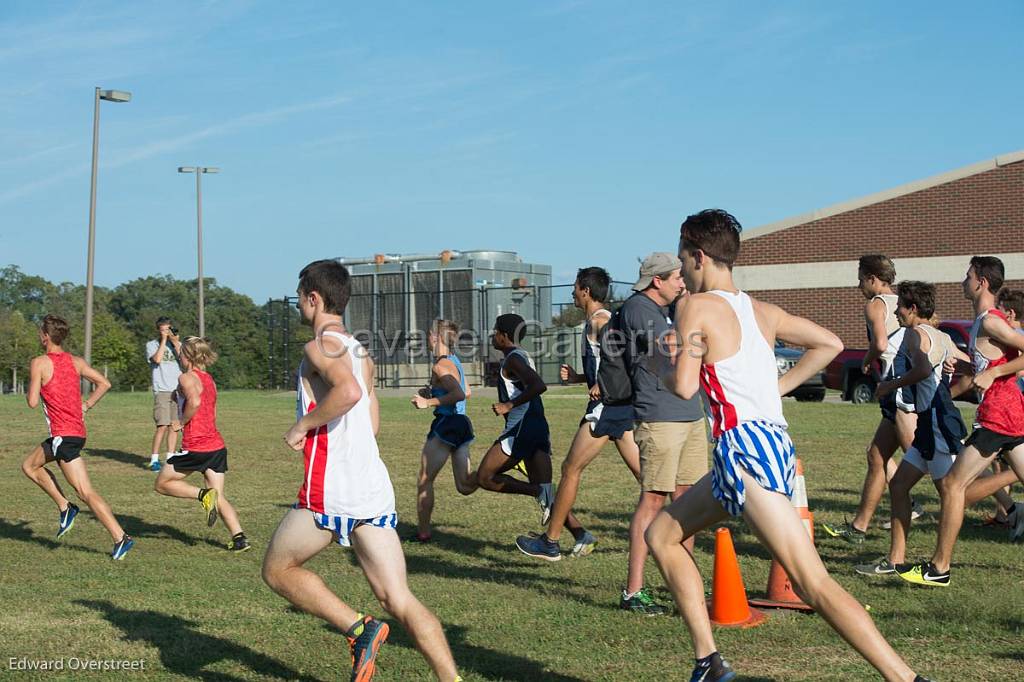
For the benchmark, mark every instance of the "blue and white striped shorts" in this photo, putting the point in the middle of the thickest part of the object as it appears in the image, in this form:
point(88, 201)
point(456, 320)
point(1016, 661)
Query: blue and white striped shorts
point(761, 448)
point(342, 526)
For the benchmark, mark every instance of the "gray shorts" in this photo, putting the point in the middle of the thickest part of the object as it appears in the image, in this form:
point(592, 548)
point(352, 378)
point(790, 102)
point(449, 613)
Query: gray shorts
point(165, 410)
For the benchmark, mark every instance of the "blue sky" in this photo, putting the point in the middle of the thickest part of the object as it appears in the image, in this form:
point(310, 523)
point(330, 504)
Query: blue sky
point(576, 133)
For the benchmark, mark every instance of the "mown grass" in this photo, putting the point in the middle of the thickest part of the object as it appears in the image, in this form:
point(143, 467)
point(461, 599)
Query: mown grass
point(190, 609)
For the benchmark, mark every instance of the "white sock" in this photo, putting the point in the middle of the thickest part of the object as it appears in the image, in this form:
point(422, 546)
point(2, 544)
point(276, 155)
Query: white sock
point(155, 457)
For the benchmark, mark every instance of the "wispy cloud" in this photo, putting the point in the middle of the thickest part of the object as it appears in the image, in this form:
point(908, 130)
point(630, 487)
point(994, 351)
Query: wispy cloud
point(178, 142)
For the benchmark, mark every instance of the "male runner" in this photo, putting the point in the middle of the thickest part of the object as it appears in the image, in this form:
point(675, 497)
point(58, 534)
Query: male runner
point(995, 350)
point(875, 277)
point(56, 377)
point(599, 424)
point(451, 432)
point(526, 437)
point(346, 494)
point(940, 428)
point(726, 344)
point(203, 448)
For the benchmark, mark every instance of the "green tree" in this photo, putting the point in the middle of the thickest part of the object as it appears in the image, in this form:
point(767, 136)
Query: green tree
point(19, 343)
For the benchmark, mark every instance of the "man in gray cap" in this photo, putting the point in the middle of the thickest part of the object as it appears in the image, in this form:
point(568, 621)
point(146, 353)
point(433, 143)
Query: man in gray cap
point(670, 431)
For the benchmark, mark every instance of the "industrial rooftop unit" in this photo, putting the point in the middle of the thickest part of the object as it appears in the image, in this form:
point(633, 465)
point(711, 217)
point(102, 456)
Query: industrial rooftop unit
point(394, 296)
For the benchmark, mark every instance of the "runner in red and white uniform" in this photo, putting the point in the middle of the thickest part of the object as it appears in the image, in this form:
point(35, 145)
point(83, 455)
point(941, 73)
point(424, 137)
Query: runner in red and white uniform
point(995, 350)
point(56, 378)
point(346, 494)
point(725, 345)
point(202, 446)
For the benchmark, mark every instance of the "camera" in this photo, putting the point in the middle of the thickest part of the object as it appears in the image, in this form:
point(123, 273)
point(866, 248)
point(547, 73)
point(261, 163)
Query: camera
point(174, 330)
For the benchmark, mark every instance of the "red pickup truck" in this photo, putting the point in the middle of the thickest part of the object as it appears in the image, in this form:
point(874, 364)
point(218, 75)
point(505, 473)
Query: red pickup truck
point(844, 374)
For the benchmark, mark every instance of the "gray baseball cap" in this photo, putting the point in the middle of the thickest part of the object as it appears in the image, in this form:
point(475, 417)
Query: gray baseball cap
point(657, 264)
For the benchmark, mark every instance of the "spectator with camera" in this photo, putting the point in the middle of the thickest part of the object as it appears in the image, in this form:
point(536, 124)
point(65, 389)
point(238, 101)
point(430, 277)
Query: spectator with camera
point(162, 354)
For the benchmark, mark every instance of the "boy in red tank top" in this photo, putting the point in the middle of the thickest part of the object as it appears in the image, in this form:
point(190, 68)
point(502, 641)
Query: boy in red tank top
point(56, 378)
point(997, 354)
point(202, 447)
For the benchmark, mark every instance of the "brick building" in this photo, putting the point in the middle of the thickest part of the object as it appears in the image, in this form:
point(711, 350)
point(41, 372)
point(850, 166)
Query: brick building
point(930, 228)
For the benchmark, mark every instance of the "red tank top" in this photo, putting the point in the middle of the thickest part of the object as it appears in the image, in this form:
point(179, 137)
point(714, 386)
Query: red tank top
point(62, 398)
point(200, 433)
point(1002, 405)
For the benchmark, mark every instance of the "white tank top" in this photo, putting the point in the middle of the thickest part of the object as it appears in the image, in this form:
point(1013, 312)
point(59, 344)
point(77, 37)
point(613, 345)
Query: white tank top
point(893, 331)
point(937, 353)
point(744, 387)
point(344, 474)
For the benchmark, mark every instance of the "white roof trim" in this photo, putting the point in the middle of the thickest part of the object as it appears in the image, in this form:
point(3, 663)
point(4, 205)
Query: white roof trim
point(909, 188)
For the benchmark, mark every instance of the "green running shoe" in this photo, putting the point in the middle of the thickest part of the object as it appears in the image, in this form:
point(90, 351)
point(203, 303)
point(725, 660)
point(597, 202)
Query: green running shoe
point(641, 603)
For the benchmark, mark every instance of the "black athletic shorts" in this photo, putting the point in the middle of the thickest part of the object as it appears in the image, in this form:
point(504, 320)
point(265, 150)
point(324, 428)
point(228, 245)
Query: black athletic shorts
point(529, 436)
point(989, 443)
point(454, 430)
point(612, 421)
point(216, 461)
point(63, 448)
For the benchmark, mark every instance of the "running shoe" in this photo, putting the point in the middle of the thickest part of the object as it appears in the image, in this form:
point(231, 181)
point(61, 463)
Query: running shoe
point(1015, 522)
point(121, 548)
point(845, 531)
point(67, 519)
point(991, 521)
point(240, 543)
point(880, 567)
point(714, 668)
point(521, 468)
point(585, 545)
point(923, 574)
point(641, 603)
point(539, 547)
point(916, 512)
point(365, 647)
point(208, 497)
point(154, 465)
point(546, 500)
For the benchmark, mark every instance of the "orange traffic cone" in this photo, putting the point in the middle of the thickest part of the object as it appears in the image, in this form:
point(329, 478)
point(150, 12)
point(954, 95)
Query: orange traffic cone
point(780, 589)
point(729, 605)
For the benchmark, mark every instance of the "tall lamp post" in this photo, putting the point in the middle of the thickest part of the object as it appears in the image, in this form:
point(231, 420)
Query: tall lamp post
point(110, 96)
point(199, 170)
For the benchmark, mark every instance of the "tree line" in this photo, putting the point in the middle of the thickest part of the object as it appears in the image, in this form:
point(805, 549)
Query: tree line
point(124, 320)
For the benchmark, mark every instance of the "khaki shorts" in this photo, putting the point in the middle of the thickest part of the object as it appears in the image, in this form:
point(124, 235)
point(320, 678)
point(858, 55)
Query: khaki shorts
point(165, 410)
point(671, 454)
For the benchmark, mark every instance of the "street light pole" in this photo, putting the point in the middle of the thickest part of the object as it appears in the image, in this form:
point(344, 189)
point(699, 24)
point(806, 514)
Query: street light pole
point(199, 170)
point(110, 96)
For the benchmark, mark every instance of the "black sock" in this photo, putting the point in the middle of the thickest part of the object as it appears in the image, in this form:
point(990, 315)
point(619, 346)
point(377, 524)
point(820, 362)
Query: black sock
point(202, 491)
point(238, 536)
point(706, 662)
point(1009, 510)
point(577, 533)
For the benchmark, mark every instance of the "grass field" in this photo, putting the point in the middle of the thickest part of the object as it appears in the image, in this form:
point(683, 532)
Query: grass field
point(190, 609)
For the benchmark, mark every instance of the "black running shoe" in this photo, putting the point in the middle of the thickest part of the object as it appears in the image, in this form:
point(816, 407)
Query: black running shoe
point(714, 668)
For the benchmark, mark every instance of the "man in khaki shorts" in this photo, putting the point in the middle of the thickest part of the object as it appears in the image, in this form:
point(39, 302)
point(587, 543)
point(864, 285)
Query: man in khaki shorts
point(162, 354)
point(670, 431)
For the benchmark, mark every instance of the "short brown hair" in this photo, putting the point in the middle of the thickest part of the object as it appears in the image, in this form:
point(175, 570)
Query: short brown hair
point(198, 351)
point(331, 280)
point(990, 269)
point(878, 266)
point(447, 330)
point(715, 232)
point(918, 294)
point(1011, 299)
point(56, 328)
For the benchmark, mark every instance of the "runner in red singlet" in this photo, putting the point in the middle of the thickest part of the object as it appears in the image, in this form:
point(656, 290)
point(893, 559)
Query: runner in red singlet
point(56, 378)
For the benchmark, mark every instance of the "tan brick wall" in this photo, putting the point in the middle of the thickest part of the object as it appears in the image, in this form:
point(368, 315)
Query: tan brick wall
point(842, 310)
point(977, 215)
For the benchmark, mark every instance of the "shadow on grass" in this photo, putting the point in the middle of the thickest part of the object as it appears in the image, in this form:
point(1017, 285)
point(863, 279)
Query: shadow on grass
point(487, 663)
point(131, 458)
point(21, 532)
point(184, 649)
point(138, 528)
